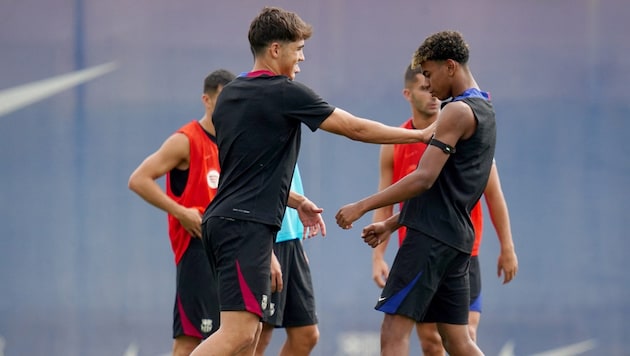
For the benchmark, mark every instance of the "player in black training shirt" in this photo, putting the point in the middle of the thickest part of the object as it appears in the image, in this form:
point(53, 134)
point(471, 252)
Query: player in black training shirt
point(258, 119)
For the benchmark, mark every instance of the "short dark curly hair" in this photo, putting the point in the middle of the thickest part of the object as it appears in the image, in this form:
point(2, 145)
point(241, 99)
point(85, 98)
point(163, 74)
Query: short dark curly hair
point(441, 46)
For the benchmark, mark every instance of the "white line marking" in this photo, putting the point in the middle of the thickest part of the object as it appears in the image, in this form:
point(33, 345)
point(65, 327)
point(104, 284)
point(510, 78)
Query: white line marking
point(507, 349)
point(571, 350)
point(132, 350)
point(15, 98)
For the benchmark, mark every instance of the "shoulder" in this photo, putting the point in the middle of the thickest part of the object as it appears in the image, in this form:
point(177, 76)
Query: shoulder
point(457, 111)
point(177, 144)
point(300, 87)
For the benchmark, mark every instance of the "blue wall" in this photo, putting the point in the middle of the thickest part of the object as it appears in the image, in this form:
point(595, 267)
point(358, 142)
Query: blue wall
point(86, 267)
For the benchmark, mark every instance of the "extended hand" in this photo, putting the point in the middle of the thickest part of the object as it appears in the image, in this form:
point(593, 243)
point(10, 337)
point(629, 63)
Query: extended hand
point(311, 217)
point(347, 215)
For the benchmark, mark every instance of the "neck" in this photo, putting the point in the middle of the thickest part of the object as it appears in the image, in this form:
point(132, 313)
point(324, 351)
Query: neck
point(422, 121)
point(261, 64)
point(206, 123)
point(467, 81)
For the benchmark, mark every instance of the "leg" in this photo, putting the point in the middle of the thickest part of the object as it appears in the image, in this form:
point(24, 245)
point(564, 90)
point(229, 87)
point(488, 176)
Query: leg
point(196, 309)
point(183, 345)
point(264, 340)
point(395, 333)
point(476, 300)
point(295, 304)
point(457, 341)
point(242, 265)
point(237, 335)
point(430, 339)
point(300, 340)
point(473, 323)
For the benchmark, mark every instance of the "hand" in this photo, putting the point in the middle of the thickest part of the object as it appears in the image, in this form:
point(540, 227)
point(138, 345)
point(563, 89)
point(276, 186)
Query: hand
point(311, 217)
point(507, 265)
point(348, 214)
point(380, 272)
point(190, 218)
point(276, 274)
point(376, 233)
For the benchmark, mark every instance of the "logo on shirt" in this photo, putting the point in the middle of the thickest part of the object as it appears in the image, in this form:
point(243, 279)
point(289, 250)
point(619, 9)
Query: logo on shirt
point(213, 179)
point(206, 325)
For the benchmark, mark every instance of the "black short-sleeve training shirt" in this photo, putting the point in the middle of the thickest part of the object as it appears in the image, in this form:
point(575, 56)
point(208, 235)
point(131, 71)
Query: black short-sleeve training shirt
point(258, 129)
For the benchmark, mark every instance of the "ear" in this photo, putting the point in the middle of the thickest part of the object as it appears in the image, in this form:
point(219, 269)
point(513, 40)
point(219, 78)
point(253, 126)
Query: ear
point(274, 50)
point(406, 93)
point(451, 66)
point(205, 99)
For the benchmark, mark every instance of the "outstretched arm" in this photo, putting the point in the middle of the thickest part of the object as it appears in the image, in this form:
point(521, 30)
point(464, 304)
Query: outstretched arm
point(174, 153)
point(455, 121)
point(507, 264)
point(343, 123)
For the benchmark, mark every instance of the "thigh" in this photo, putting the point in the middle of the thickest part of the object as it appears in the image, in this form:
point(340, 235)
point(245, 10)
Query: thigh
point(414, 277)
point(451, 301)
point(299, 307)
point(240, 251)
point(196, 311)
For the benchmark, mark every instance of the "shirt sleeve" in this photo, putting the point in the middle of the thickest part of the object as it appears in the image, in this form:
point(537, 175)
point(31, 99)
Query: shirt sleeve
point(305, 105)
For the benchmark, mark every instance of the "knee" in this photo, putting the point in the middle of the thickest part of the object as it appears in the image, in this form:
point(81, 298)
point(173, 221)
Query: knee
point(184, 345)
point(432, 345)
point(306, 337)
point(241, 340)
point(312, 337)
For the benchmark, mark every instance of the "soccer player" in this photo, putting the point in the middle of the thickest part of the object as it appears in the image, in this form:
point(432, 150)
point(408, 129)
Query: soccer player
point(190, 161)
point(396, 161)
point(258, 118)
point(429, 277)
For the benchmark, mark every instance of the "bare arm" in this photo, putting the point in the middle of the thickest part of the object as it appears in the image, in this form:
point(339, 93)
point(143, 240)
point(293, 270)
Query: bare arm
point(174, 153)
point(456, 121)
point(380, 269)
point(507, 263)
point(343, 123)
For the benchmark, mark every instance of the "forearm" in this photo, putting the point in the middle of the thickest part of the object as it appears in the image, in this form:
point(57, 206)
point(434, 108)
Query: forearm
point(381, 214)
point(152, 193)
point(376, 132)
point(295, 199)
point(501, 221)
point(408, 187)
point(392, 223)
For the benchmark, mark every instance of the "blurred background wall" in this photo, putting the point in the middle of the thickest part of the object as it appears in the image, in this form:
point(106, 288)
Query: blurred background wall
point(86, 267)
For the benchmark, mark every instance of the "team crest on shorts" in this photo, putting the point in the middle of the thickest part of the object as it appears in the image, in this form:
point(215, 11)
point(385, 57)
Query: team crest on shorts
point(263, 302)
point(272, 309)
point(213, 179)
point(206, 325)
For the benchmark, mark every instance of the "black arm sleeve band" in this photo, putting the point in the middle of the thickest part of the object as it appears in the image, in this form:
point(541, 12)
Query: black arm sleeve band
point(441, 145)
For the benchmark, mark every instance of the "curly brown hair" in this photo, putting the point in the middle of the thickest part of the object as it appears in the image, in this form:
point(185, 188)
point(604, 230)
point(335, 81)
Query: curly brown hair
point(441, 46)
point(275, 24)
